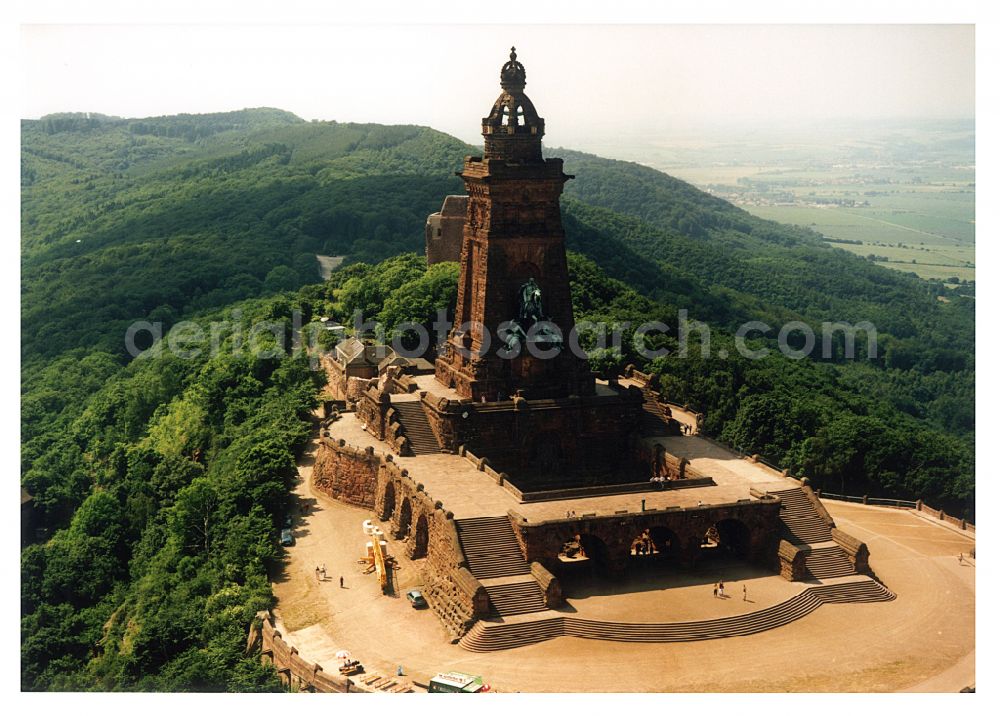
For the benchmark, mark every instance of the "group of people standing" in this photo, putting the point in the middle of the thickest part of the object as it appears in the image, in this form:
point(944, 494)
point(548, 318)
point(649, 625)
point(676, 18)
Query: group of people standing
point(719, 591)
point(321, 574)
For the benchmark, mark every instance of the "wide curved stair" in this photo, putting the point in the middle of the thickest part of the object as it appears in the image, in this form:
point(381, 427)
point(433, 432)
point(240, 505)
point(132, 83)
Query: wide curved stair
point(493, 636)
point(416, 427)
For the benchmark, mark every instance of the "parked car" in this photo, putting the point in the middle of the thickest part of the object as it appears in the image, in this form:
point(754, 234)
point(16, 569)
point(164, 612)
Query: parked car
point(287, 540)
point(416, 599)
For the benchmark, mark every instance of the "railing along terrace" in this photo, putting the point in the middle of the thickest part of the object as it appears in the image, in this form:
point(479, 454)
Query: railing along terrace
point(917, 505)
point(865, 500)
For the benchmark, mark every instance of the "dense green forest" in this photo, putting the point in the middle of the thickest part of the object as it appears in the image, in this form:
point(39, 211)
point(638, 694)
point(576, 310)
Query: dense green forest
point(160, 483)
point(162, 492)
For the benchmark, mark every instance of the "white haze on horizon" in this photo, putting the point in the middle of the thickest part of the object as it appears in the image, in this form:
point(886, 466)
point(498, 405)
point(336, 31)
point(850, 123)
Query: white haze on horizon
point(590, 82)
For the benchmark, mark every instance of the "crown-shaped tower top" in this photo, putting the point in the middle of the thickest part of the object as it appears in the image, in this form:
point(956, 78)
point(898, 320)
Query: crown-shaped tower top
point(512, 75)
point(513, 130)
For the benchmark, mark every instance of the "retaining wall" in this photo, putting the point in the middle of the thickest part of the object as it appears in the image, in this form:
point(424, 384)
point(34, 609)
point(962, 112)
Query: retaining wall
point(294, 671)
point(427, 530)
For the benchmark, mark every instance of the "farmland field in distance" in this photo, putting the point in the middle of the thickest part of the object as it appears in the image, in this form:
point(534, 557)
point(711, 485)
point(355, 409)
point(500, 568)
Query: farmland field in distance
point(901, 194)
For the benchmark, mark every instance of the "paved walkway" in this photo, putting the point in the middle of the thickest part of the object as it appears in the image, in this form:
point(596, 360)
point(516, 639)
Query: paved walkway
point(919, 560)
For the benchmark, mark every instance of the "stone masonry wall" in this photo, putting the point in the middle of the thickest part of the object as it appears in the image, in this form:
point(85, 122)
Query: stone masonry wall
point(857, 551)
point(427, 530)
point(573, 437)
point(542, 541)
point(346, 473)
point(372, 407)
point(443, 231)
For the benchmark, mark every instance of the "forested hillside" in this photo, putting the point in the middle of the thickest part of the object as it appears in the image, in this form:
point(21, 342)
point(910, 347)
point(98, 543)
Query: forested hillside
point(122, 223)
point(161, 217)
point(159, 483)
point(162, 492)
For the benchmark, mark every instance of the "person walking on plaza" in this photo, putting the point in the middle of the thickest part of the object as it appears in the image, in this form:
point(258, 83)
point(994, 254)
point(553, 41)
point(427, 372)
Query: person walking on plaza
point(744, 592)
point(715, 591)
point(322, 571)
point(961, 557)
point(722, 590)
point(317, 572)
point(341, 581)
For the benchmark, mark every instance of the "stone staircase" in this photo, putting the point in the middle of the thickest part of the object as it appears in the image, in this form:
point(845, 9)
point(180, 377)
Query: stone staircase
point(490, 547)
point(416, 427)
point(828, 562)
point(531, 629)
point(654, 419)
point(803, 523)
point(494, 558)
point(508, 599)
point(804, 526)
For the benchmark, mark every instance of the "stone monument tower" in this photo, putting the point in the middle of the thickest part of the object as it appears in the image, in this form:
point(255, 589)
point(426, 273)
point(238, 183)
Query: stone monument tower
point(513, 317)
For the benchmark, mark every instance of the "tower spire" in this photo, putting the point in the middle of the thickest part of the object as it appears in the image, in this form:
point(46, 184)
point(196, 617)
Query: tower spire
point(513, 276)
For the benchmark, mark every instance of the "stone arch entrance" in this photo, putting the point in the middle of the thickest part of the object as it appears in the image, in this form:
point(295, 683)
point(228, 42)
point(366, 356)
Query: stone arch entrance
point(729, 537)
point(642, 546)
point(666, 543)
point(405, 518)
point(594, 550)
point(583, 555)
point(734, 537)
point(420, 536)
point(388, 501)
point(653, 548)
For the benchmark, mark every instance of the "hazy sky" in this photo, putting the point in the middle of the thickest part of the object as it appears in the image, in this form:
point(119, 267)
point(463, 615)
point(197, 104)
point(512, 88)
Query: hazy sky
point(586, 81)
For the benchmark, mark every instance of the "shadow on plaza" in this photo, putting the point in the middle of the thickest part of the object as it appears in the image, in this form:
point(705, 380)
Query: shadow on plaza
point(655, 577)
